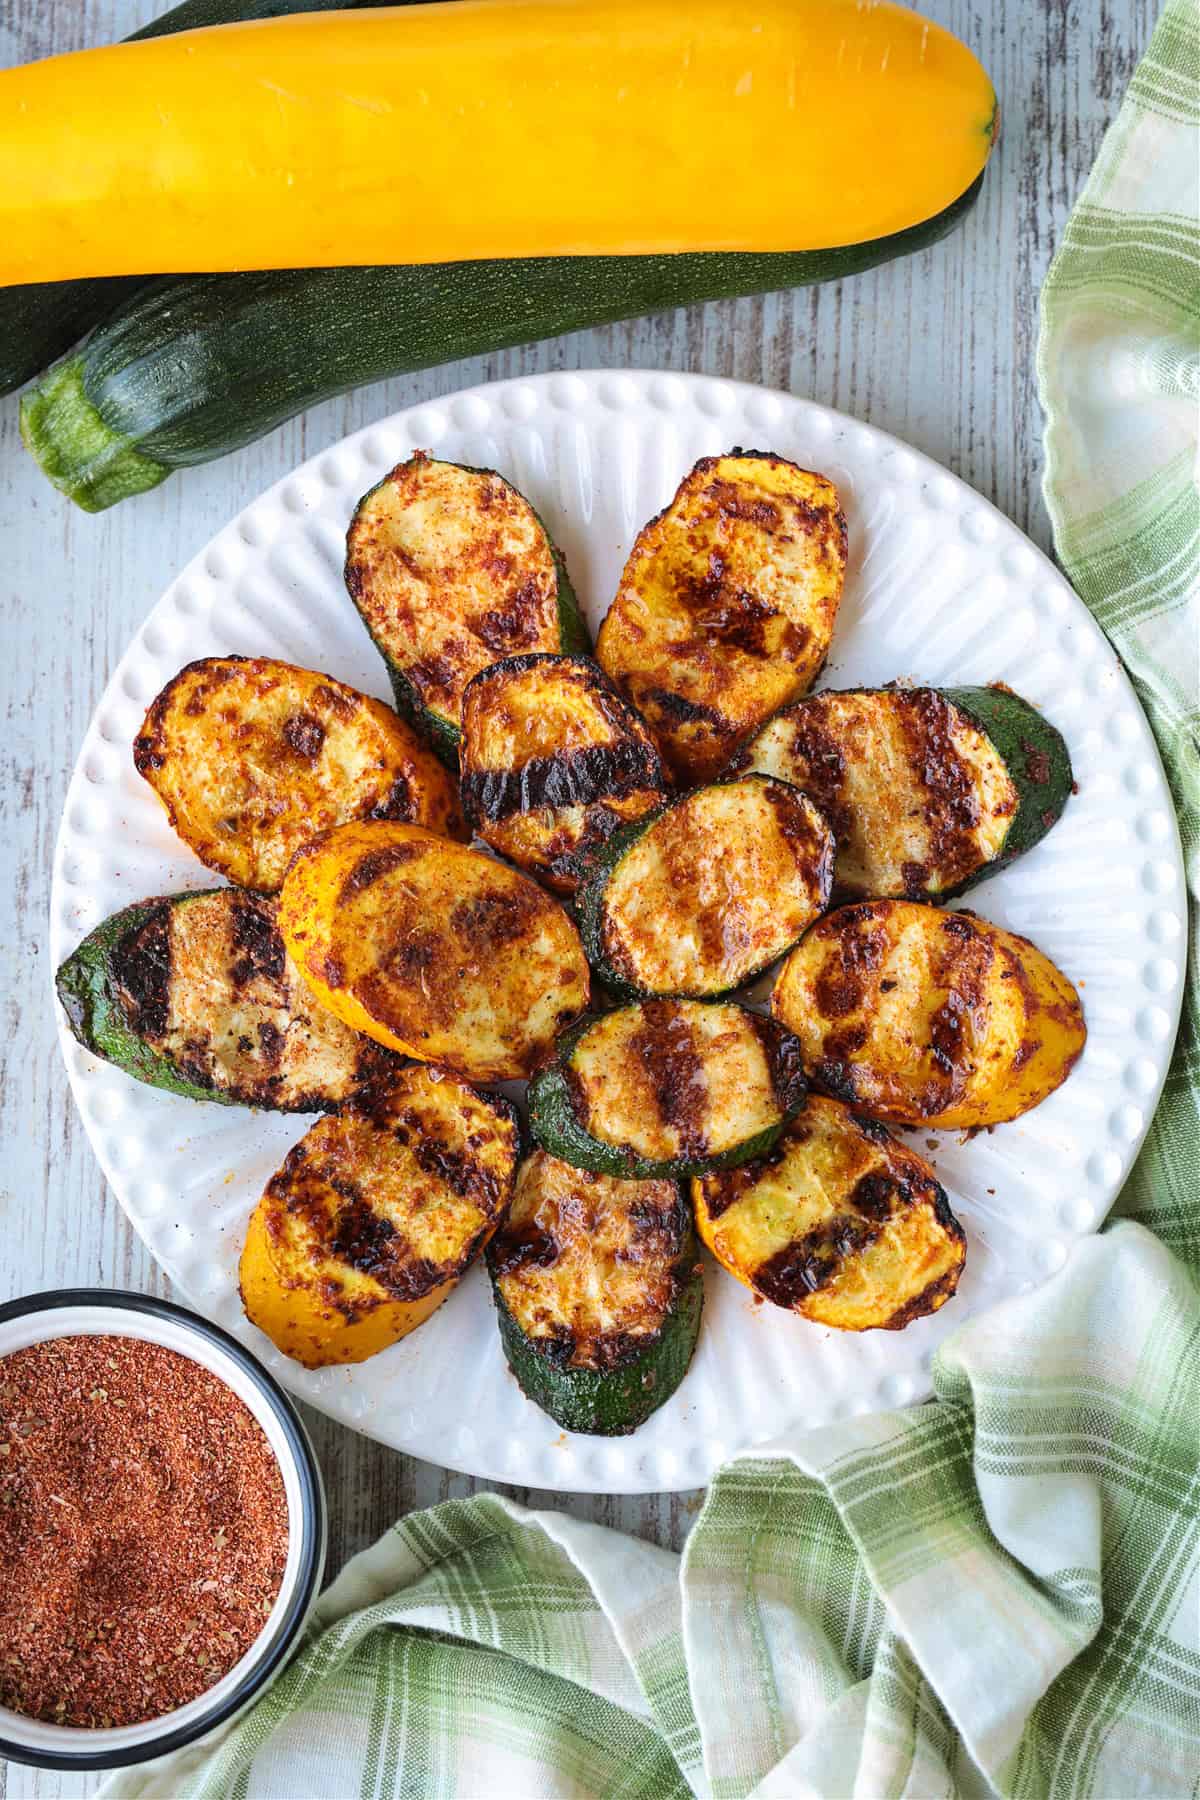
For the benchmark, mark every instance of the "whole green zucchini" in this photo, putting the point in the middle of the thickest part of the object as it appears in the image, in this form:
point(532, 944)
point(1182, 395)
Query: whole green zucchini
point(41, 319)
point(191, 369)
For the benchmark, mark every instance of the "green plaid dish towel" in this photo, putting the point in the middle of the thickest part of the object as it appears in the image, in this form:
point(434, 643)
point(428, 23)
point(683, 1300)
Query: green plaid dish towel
point(995, 1594)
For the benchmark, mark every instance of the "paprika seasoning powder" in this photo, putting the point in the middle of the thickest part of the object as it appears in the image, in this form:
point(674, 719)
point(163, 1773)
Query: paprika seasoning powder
point(143, 1530)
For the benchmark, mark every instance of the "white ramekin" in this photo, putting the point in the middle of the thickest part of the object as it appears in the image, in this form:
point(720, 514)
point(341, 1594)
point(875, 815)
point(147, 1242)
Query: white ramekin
point(79, 1312)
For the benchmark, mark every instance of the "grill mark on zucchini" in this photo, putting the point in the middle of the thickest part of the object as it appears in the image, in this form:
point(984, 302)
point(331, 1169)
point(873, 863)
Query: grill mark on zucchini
point(663, 1043)
point(141, 965)
point(951, 804)
point(928, 790)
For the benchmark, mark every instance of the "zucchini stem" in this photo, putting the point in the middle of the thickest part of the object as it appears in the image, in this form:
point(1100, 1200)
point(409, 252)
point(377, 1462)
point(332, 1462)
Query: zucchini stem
point(84, 458)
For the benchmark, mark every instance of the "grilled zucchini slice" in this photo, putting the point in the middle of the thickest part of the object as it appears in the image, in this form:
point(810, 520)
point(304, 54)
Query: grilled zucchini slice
point(727, 605)
point(666, 1087)
point(452, 570)
point(250, 757)
point(927, 1017)
point(194, 993)
point(708, 893)
point(840, 1223)
point(553, 761)
point(375, 1214)
point(433, 949)
point(598, 1294)
point(928, 790)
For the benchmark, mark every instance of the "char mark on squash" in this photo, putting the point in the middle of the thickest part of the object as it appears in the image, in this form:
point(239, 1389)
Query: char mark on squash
point(785, 1064)
point(368, 1242)
point(727, 615)
point(836, 1078)
point(947, 1026)
point(489, 922)
point(141, 965)
point(858, 945)
point(257, 942)
point(722, 1188)
point(462, 1174)
point(879, 1193)
point(397, 803)
point(676, 710)
point(927, 1300)
point(811, 1262)
point(872, 1130)
point(304, 734)
point(374, 864)
point(576, 778)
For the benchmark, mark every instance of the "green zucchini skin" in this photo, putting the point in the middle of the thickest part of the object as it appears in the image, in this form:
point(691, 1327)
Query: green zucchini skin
point(191, 369)
point(589, 903)
point(1038, 764)
point(85, 988)
point(574, 639)
point(610, 1402)
point(554, 1125)
point(42, 319)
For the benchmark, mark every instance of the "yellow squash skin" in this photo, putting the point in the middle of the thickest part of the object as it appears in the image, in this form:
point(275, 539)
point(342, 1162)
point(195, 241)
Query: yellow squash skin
point(433, 949)
point(375, 1214)
point(488, 128)
point(927, 1017)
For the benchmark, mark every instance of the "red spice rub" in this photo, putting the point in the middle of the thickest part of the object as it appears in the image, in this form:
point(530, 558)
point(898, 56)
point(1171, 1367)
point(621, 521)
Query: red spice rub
point(143, 1530)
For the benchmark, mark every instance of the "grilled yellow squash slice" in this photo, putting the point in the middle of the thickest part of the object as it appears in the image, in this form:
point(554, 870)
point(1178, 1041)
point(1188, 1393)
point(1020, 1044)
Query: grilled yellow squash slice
point(452, 570)
point(840, 1223)
point(432, 948)
point(552, 761)
point(195, 994)
point(251, 757)
point(727, 605)
point(375, 1214)
point(928, 790)
point(928, 1017)
point(598, 1293)
point(709, 892)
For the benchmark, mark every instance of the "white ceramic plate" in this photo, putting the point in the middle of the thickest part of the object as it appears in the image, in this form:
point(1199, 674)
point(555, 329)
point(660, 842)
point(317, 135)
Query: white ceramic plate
point(940, 588)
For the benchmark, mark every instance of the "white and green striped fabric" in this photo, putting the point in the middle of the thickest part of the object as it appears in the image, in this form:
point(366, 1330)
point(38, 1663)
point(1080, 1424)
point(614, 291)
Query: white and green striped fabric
point(994, 1594)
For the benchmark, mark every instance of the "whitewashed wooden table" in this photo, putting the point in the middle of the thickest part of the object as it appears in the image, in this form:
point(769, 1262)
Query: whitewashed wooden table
point(938, 349)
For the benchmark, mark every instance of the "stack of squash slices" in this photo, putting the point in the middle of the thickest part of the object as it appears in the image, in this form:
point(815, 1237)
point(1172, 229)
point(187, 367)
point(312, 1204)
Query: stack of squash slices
point(570, 869)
